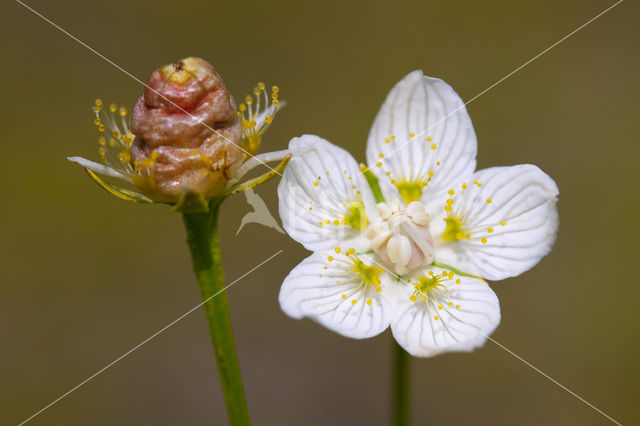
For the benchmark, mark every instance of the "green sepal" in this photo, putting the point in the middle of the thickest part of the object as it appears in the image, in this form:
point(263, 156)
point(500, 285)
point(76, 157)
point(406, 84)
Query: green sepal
point(372, 180)
point(191, 202)
point(116, 191)
point(457, 271)
point(252, 183)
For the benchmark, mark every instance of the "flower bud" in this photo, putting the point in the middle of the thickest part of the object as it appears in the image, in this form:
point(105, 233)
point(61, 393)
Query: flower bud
point(401, 236)
point(188, 136)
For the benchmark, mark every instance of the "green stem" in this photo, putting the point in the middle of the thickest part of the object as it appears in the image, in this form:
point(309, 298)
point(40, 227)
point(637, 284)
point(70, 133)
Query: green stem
point(400, 386)
point(202, 237)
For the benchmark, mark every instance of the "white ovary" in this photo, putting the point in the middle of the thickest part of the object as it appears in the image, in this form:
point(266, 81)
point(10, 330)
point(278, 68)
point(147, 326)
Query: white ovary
point(401, 236)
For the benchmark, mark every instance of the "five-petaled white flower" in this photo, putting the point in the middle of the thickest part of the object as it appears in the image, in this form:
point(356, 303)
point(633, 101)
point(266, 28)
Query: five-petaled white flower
point(418, 259)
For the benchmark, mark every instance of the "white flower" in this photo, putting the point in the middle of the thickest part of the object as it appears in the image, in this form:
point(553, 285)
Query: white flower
point(417, 261)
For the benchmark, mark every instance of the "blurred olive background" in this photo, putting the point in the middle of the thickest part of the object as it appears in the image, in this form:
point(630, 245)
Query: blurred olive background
point(85, 276)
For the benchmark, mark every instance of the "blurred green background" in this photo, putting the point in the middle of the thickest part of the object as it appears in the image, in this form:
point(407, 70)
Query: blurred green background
point(85, 276)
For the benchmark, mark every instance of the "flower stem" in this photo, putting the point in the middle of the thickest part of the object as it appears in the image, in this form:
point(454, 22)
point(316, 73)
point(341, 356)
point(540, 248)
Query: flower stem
point(400, 386)
point(202, 237)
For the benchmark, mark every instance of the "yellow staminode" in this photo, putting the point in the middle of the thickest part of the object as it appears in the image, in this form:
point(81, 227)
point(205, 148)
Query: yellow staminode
point(430, 288)
point(257, 115)
point(363, 279)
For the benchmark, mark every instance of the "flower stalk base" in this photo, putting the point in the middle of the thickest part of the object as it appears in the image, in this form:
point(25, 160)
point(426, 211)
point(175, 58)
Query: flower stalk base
point(202, 237)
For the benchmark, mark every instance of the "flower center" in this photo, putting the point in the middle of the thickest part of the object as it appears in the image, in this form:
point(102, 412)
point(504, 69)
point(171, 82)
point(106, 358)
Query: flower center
point(356, 218)
point(430, 289)
point(410, 191)
point(401, 237)
point(358, 280)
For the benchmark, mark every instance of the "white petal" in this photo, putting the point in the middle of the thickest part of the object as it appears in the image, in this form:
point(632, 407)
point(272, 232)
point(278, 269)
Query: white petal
point(521, 215)
point(428, 108)
point(326, 291)
point(319, 184)
point(98, 168)
point(456, 318)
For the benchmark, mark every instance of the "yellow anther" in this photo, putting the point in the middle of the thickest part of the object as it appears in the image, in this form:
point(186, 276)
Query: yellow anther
point(503, 223)
point(440, 306)
point(115, 134)
point(378, 164)
point(125, 156)
point(351, 251)
point(457, 306)
point(97, 121)
point(429, 139)
point(447, 208)
point(436, 318)
point(450, 303)
point(386, 140)
point(123, 111)
point(330, 258)
point(337, 250)
point(450, 201)
point(458, 281)
point(430, 173)
point(327, 221)
point(315, 184)
point(261, 86)
point(467, 236)
point(484, 240)
point(411, 134)
point(242, 107)
point(344, 296)
point(380, 155)
point(489, 200)
point(393, 137)
point(113, 107)
point(464, 186)
point(336, 222)
point(434, 146)
point(320, 224)
point(98, 103)
point(450, 275)
point(490, 230)
point(275, 89)
point(248, 100)
point(354, 301)
point(369, 302)
point(268, 119)
point(112, 143)
point(412, 298)
point(276, 102)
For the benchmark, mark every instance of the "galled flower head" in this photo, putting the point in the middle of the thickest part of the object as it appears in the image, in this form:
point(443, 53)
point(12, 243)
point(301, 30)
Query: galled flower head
point(417, 261)
point(187, 142)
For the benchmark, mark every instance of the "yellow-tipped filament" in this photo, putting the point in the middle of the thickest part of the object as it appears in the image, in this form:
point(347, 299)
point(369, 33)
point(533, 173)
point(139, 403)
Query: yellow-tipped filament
point(359, 280)
point(257, 114)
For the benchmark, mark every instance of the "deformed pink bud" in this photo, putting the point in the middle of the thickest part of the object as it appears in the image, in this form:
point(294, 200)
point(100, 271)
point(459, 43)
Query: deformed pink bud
point(188, 136)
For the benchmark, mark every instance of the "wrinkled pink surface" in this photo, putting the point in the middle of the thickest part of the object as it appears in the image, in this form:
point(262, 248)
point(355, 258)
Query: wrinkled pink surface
point(184, 121)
